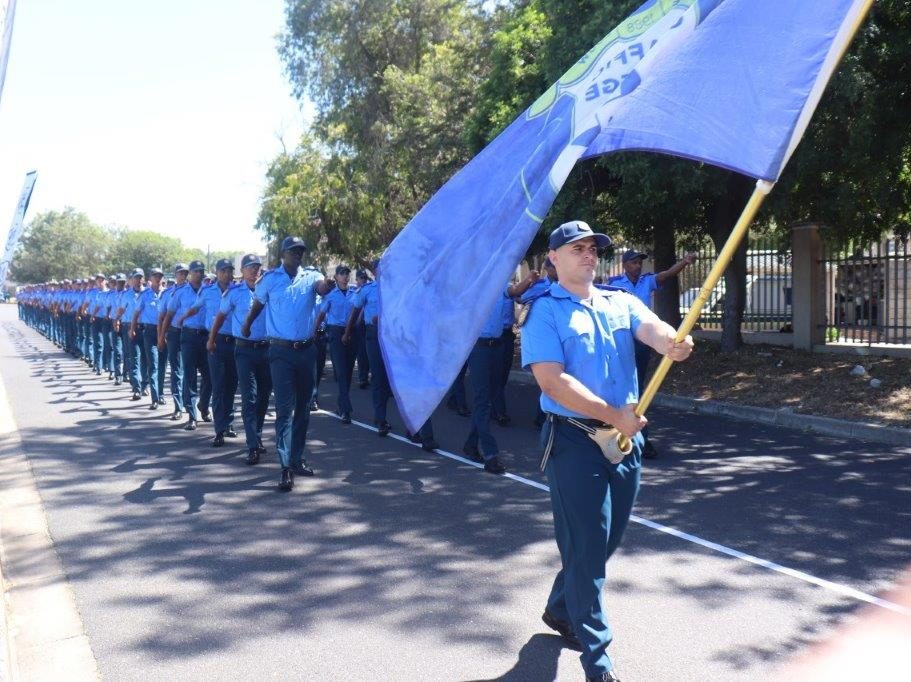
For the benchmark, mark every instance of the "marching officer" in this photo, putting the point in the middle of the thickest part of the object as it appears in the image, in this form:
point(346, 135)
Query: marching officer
point(144, 327)
point(335, 310)
point(169, 340)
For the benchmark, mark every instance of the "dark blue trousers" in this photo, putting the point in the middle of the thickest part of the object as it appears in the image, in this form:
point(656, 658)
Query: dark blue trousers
point(643, 356)
point(343, 356)
point(592, 500)
point(193, 355)
point(293, 376)
point(154, 363)
point(132, 352)
point(359, 340)
point(223, 373)
point(484, 365)
point(457, 396)
point(255, 381)
point(172, 337)
point(381, 390)
point(97, 343)
point(108, 345)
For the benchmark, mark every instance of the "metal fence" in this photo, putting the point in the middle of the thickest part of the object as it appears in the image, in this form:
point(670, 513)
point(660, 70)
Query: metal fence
point(867, 292)
point(768, 283)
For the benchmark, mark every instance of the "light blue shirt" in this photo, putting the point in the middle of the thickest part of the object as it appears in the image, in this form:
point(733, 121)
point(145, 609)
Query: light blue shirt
point(166, 299)
point(337, 305)
point(289, 301)
point(368, 298)
point(593, 340)
point(493, 325)
point(128, 301)
point(182, 300)
point(642, 289)
point(536, 289)
point(209, 300)
point(148, 305)
point(110, 304)
point(235, 305)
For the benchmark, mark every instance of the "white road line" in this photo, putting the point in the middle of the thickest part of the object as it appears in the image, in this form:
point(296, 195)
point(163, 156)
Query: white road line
point(843, 590)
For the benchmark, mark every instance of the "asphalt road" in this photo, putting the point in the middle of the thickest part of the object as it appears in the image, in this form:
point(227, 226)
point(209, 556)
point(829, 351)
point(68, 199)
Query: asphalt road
point(396, 564)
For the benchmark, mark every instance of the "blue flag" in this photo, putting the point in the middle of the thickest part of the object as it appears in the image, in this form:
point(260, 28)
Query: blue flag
point(732, 83)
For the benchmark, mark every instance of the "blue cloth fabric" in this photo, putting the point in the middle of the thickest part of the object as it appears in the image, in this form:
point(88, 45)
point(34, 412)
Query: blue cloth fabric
point(337, 305)
point(193, 357)
point(183, 300)
point(148, 305)
point(166, 299)
point(128, 301)
point(642, 289)
point(563, 328)
point(483, 364)
point(368, 298)
point(343, 355)
point(293, 375)
point(174, 360)
point(289, 303)
point(155, 363)
point(223, 375)
point(493, 325)
point(235, 305)
point(378, 378)
point(255, 382)
point(730, 83)
point(209, 300)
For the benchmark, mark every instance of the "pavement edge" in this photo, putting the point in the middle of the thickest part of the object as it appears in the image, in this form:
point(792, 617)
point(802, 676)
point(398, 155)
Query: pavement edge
point(43, 637)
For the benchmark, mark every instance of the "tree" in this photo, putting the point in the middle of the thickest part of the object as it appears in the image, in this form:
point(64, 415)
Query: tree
point(143, 249)
point(58, 245)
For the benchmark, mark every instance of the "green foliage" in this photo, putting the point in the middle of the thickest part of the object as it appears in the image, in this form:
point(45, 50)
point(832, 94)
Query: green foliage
point(59, 244)
point(142, 249)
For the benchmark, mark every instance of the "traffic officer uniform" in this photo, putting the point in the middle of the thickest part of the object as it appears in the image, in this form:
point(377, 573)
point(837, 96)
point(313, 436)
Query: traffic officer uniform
point(145, 323)
point(359, 338)
point(108, 299)
point(117, 359)
point(336, 308)
point(132, 346)
point(593, 340)
point(93, 311)
point(193, 358)
point(321, 342)
point(222, 370)
point(251, 359)
point(172, 344)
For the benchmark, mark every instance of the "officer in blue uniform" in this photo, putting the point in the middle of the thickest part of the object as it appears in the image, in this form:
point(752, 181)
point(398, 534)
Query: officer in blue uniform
point(578, 341)
point(220, 347)
point(642, 286)
point(169, 340)
point(288, 296)
point(193, 337)
point(335, 309)
point(132, 344)
point(359, 337)
point(144, 327)
point(251, 354)
point(117, 349)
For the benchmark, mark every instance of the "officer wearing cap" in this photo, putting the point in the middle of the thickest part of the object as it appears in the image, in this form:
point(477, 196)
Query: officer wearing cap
point(251, 357)
point(359, 336)
point(107, 299)
point(144, 326)
point(288, 296)
point(335, 309)
point(320, 341)
point(93, 312)
point(642, 286)
point(169, 339)
point(193, 337)
point(136, 367)
point(117, 357)
point(578, 342)
point(220, 347)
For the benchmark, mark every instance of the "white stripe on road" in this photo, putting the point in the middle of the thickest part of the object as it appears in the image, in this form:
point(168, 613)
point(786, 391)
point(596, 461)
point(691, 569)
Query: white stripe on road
point(843, 590)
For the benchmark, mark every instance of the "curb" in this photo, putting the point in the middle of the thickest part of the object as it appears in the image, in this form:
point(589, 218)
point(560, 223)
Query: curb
point(823, 426)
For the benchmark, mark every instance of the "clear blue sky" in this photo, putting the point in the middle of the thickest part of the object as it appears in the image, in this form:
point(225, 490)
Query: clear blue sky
point(153, 115)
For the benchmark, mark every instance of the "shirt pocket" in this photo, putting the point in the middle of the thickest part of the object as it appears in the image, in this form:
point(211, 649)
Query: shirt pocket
point(578, 338)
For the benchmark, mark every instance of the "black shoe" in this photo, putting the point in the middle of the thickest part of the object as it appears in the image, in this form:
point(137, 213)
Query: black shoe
point(383, 429)
point(494, 466)
point(364, 384)
point(110, 376)
point(136, 395)
point(346, 418)
point(430, 445)
point(206, 417)
point(153, 406)
point(413, 437)
point(609, 676)
point(175, 417)
point(562, 627)
point(302, 469)
point(230, 433)
point(191, 425)
point(472, 452)
point(463, 412)
point(502, 419)
point(649, 451)
point(162, 402)
point(117, 381)
point(260, 447)
point(145, 393)
point(97, 372)
point(314, 406)
point(219, 440)
point(287, 481)
point(252, 456)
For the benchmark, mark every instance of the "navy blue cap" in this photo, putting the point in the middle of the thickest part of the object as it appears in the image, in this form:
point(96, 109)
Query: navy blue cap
point(573, 231)
point(361, 274)
point(342, 270)
point(197, 266)
point(632, 254)
point(155, 271)
point(224, 263)
point(181, 267)
point(250, 259)
point(293, 243)
point(121, 277)
point(137, 272)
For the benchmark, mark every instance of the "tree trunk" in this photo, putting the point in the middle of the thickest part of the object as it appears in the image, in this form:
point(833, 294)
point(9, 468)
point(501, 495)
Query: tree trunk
point(667, 298)
point(722, 218)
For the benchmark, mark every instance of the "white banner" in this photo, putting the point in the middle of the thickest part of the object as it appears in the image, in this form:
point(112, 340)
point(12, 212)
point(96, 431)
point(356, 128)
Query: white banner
point(7, 12)
point(15, 230)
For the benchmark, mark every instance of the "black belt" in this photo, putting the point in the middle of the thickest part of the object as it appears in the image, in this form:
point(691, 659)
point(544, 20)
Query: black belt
point(488, 342)
point(584, 425)
point(146, 325)
point(198, 332)
point(294, 345)
point(592, 423)
point(226, 338)
point(243, 343)
point(336, 327)
point(172, 328)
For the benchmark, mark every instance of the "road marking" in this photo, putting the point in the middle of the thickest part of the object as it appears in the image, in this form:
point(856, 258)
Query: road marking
point(843, 590)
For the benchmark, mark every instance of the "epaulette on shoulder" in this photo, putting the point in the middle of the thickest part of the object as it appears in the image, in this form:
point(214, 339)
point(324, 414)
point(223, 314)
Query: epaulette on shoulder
point(527, 304)
point(607, 288)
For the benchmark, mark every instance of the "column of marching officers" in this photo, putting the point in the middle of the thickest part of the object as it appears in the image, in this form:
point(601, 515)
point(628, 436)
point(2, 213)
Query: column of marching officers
point(266, 334)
